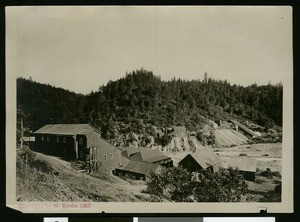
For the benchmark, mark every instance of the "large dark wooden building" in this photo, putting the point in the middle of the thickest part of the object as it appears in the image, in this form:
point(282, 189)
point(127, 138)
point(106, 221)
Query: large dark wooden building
point(79, 142)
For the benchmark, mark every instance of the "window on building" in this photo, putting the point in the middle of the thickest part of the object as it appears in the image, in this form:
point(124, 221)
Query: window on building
point(57, 139)
point(64, 139)
point(105, 157)
point(111, 156)
point(48, 139)
point(42, 138)
point(80, 140)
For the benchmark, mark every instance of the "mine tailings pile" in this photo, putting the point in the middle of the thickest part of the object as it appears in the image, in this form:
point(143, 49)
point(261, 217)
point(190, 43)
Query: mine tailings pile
point(229, 137)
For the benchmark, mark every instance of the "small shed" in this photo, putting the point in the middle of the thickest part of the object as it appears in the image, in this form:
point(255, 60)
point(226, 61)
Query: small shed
point(245, 165)
point(203, 159)
point(136, 170)
point(28, 140)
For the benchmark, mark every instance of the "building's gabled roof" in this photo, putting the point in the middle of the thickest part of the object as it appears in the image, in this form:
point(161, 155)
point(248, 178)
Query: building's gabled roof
point(242, 163)
point(65, 129)
point(141, 167)
point(150, 156)
point(129, 151)
point(205, 158)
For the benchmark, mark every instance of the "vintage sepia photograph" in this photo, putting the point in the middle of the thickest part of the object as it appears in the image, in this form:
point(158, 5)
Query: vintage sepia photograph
point(149, 109)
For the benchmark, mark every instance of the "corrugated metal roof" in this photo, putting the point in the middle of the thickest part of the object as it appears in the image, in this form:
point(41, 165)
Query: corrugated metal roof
point(243, 163)
point(65, 129)
point(141, 167)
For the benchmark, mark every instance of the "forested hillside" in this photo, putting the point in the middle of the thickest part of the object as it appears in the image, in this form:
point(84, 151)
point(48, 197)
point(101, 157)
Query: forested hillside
point(40, 104)
point(141, 102)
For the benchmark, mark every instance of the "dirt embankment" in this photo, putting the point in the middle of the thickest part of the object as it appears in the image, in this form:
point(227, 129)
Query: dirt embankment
point(183, 144)
point(61, 183)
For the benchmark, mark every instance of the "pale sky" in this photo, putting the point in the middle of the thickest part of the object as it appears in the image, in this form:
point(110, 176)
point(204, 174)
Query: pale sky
point(81, 48)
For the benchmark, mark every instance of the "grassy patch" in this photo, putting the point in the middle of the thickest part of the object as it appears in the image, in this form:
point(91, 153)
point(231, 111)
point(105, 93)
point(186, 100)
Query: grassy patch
point(37, 181)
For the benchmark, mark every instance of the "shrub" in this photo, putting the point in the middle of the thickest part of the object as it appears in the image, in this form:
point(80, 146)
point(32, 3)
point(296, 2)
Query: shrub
point(277, 188)
point(26, 155)
point(179, 185)
point(268, 173)
point(276, 174)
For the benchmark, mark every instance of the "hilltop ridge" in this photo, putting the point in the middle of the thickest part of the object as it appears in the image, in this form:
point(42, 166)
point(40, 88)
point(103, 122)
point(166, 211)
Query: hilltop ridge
point(140, 105)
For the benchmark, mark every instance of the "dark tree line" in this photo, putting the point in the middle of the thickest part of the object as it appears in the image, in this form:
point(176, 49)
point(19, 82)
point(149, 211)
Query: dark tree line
point(141, 99)
point(42, 104)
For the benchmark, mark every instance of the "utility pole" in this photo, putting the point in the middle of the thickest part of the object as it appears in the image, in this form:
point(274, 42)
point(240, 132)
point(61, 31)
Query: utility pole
point(21, 118)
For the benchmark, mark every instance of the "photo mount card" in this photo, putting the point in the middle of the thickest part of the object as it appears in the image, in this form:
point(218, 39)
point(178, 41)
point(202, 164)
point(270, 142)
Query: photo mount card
point(55, 219)
point(87, 50)
point(236, 219)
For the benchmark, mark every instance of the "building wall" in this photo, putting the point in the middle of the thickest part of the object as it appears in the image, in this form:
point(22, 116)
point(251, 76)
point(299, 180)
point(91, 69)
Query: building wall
point(63, 146)
point(124, 174)
point(81, 144)
point(190, 164)
point(107, 154)
point(56, 145)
